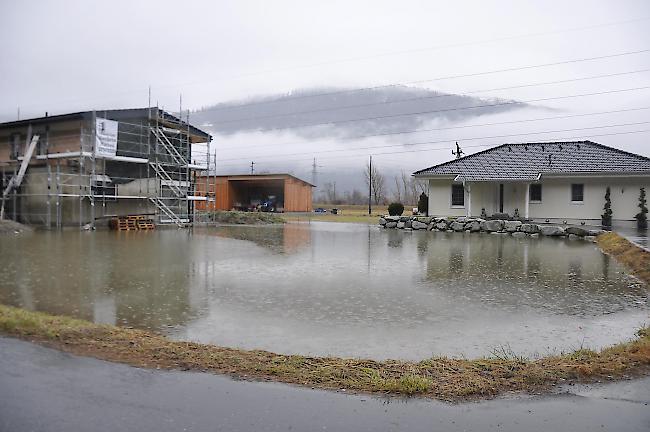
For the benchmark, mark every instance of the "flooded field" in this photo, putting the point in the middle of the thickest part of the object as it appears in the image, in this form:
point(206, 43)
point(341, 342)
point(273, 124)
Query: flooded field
point(332, 289)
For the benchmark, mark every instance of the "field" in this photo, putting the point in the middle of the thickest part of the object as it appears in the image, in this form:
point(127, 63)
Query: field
point(347, 213)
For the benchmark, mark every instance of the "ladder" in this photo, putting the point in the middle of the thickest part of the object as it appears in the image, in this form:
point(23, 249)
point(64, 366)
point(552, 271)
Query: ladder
point(168, 146)
point(167, 211)
point(164, 176)
point(15, 181)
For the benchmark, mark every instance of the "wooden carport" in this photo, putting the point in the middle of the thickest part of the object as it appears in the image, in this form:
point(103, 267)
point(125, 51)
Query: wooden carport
point(227, 192)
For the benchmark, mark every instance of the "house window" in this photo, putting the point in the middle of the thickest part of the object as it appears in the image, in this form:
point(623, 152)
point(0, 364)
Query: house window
point(457, 195)
point(536, 192)
point(577, 192)
point(16, 146)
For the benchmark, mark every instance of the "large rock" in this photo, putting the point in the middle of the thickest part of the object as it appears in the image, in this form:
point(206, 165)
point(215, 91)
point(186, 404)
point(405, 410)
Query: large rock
point(424, 219)
point(382, 221)
point(391, 224)
point(392, 218)
point(401, 224)
point(442, 226)
point(529, 228)
point(474, 226)
point(457, 226)
point(431, 226)
point(417, 225)
point(511, 226)
point(404, 218)
point(519, 234)
point(595, 232)
point(407, 224)
point(552, 231)
point(461, 219)
point(577, 231)
point(492, 225)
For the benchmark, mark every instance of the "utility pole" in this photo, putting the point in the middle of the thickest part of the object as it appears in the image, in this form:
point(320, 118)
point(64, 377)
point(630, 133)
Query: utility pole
point(313, 173)
point(370, 187)
point(252, 167)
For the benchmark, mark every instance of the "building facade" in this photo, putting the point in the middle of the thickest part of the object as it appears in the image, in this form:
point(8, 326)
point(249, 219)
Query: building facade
point(553, 181)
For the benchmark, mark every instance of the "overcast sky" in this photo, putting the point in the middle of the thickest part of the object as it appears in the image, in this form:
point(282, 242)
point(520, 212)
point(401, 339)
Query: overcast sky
point(76, 55)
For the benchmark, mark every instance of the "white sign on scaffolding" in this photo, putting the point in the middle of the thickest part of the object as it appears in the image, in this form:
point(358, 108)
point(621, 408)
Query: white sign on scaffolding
point(105, 138)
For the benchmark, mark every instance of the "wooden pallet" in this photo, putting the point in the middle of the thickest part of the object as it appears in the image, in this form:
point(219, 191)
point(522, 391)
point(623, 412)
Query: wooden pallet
point(131, 223)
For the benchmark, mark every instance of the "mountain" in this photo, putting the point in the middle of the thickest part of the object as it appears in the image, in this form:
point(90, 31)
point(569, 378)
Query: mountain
point(334, 112)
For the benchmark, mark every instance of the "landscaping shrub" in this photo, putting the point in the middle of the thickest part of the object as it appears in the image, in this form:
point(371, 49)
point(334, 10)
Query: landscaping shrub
point(642, 216)
point(606, 217)
point(395, 209)
point(423, 204)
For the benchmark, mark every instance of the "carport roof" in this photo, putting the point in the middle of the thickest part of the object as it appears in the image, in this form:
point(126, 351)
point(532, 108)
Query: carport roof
point(244, 177)
point(529, 161)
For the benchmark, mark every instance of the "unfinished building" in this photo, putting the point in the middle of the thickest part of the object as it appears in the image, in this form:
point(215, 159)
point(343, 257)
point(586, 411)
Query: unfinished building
point(87, 167)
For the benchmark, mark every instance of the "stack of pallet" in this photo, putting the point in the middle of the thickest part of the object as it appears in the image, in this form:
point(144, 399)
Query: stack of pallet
point(131, 223)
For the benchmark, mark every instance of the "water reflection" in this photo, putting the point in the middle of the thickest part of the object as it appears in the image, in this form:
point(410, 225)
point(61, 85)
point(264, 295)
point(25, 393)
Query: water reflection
point(333, 289)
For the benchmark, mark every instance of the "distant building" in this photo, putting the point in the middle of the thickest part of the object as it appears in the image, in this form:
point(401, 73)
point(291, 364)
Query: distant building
point(265, 192)
point(546, 180)
point(89, 166)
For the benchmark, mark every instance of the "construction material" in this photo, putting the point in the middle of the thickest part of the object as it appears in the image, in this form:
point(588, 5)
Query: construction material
point(131, 223)
point(16, 180)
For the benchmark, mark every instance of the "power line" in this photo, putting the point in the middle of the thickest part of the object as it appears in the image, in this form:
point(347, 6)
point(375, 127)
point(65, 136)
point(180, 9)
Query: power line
point(522, 102)
point(573, 138)
point(436, 96)
point(386, 54)
point(441, 141)
point(356, 137)
point(443, 78)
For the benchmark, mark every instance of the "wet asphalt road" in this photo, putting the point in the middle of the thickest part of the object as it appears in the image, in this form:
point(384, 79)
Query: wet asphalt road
point(47, 390)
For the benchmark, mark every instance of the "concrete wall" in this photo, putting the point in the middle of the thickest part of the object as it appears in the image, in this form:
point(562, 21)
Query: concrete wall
point(32, 207)
point(556, 198)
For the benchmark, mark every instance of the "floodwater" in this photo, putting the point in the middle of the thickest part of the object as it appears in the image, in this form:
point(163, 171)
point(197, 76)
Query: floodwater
point(332, 289)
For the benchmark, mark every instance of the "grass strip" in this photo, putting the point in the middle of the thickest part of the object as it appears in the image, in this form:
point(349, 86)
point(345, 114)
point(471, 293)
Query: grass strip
point(441, 378)
point(636, 259)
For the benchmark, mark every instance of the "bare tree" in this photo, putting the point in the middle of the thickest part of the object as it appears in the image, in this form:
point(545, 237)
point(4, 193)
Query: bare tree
point(398, 190)
point(377, 182)
point(330, 192)
point(357, 197)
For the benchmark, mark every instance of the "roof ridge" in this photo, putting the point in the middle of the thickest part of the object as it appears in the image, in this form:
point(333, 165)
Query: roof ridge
point(471, 157)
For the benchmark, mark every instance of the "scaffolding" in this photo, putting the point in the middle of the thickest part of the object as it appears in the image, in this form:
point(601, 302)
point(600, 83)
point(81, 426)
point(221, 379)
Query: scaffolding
point(153, 172)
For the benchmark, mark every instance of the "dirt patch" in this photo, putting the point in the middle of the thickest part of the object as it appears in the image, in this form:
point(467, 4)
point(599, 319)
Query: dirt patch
point(636, 259)
point(10, 227)
point(439, 377)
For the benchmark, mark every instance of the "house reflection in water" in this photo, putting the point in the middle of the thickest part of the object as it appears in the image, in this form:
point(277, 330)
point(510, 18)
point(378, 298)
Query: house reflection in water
point(509, 272)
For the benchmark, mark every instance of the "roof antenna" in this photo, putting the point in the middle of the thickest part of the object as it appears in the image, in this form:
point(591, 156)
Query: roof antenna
point(458, 153)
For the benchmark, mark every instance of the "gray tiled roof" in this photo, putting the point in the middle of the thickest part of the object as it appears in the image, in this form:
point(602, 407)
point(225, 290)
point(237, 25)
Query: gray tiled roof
point(528, 160)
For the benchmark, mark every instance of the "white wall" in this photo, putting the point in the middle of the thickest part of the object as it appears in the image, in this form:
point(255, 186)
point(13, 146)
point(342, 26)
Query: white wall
point(440, 199)
point(556, 198)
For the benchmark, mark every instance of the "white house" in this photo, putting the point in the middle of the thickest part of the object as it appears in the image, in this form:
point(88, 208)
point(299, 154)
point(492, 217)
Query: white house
point(548, 180)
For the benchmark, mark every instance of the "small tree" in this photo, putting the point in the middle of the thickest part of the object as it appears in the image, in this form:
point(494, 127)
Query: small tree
point(606, 217)
point(423, 204)
point(642, 216)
